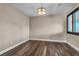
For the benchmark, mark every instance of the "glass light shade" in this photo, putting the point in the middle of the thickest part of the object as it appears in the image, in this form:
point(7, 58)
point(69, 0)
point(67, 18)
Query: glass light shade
point(41, 11)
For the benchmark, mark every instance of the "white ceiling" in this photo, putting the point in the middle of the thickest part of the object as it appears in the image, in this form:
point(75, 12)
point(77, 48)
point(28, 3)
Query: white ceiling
point(29, 9)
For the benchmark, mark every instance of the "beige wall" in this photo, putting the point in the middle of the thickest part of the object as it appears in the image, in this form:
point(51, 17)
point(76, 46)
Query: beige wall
point(14, 26)
point(47, 27)
point(72, 39)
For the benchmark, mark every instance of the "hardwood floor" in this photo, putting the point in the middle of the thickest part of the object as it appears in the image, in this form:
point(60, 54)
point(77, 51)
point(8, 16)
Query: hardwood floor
point(42, 48)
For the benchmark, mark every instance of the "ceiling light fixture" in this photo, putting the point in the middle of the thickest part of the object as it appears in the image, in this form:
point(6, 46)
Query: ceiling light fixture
point(41, 10)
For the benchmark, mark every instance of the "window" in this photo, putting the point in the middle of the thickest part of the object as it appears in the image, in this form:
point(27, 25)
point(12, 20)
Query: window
point(73, 22)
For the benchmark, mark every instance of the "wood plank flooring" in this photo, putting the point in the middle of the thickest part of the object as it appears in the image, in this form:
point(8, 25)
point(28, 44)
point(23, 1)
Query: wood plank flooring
point(42, 48)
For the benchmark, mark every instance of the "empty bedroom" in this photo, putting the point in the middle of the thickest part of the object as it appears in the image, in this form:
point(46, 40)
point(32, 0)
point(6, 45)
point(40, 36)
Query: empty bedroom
point(39, 29)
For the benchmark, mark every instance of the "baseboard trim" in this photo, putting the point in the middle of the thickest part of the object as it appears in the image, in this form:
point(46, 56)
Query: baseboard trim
point(48, 40)
point(73, 46)
point(7, 49)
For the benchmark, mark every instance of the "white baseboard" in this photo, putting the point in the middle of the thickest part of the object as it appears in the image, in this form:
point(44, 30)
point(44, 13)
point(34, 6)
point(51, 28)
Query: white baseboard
point(5, 50)
point(73, 46)
point(47, 40)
